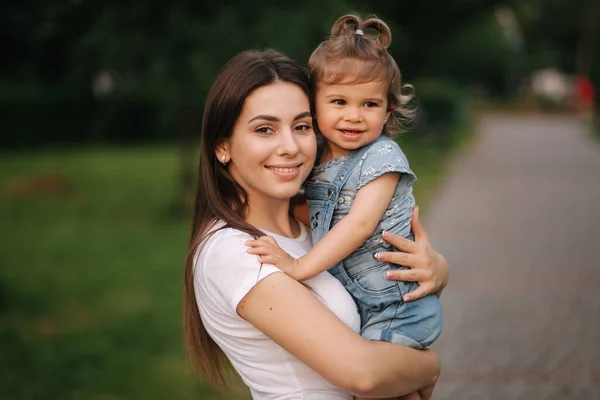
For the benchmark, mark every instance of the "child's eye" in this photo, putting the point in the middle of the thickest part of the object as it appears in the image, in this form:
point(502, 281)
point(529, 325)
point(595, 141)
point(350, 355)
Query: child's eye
point(339, 102)
point(264, 130)
point(370, 104)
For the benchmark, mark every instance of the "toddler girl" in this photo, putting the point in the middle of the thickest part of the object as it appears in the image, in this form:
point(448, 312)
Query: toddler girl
point(362, 185)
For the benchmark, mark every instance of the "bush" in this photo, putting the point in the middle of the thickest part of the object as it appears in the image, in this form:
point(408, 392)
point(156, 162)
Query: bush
point(443, 107)
point(33, 118)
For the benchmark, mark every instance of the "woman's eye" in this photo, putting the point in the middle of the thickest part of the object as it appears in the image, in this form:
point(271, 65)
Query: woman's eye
point(339, 102)
point(264, 130)
point(303, 127)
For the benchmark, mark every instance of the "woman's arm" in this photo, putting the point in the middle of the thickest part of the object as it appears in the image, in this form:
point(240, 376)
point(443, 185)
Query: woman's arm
point(288, 313)
point(427, 267)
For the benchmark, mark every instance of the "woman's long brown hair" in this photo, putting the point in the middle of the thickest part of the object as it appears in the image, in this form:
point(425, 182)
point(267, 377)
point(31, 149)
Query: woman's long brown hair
point(218, 196)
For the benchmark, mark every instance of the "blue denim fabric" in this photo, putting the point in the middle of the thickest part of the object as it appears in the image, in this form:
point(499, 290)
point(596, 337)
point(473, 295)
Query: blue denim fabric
point(330, 194)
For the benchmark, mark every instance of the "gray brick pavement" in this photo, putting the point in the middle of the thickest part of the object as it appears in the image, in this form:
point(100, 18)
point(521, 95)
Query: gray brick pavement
point(519, 221)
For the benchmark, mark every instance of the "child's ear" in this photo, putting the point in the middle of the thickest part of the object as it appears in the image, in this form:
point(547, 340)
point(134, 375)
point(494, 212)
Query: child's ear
point(387, 114)
point(390, 109)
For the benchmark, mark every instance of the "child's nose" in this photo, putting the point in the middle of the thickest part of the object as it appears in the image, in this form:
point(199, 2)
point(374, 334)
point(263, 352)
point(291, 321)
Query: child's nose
point(353, 114)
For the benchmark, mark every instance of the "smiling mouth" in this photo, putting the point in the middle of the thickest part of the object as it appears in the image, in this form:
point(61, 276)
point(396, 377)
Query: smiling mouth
point(284, 170)
point(350, 131)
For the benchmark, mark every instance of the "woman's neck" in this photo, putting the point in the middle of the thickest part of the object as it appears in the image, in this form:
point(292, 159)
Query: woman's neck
point(273, 217)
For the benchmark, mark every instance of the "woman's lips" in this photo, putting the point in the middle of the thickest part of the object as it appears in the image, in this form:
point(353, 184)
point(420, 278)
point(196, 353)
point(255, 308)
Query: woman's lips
point(285, 172)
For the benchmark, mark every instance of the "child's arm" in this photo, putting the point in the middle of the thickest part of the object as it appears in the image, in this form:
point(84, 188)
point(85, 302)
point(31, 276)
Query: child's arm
point(346, 236)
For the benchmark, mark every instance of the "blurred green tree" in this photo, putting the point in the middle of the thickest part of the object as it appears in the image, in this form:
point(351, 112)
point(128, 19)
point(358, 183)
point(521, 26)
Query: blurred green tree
point(118, 57)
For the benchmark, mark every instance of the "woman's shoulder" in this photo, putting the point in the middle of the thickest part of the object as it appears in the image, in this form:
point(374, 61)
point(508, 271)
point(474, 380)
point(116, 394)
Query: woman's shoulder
point(223, 268)
point(222, 245)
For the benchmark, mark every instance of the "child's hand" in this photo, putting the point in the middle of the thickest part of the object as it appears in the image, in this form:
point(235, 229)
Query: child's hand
point(270, 252)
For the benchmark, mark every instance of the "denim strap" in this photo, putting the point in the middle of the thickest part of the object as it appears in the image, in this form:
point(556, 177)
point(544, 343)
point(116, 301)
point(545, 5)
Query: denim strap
point(353, 159)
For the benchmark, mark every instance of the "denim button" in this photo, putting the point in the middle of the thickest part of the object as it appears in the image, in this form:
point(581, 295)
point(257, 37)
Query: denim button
point(329, 193)
point(341, 200)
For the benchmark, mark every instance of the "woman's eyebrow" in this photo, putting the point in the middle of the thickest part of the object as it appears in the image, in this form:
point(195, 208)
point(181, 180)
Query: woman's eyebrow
point(266, 118)
point(272, 118)
point(302, 115)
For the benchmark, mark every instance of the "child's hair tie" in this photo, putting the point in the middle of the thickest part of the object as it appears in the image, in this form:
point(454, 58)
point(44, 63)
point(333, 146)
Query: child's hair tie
point(360, 32)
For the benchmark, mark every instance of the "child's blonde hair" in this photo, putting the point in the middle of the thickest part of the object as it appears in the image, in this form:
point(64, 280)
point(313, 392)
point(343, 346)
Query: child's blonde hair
point(357, 52)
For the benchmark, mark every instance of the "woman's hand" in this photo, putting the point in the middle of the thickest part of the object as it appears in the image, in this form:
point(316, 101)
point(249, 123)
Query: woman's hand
point(427, 267)
point(422, 394)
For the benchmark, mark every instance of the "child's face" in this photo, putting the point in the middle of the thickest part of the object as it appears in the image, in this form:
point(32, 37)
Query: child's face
point(351, 115)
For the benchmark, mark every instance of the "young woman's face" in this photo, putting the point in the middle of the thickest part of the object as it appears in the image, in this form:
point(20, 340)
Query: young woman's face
point(351, 115)
point(273, 145)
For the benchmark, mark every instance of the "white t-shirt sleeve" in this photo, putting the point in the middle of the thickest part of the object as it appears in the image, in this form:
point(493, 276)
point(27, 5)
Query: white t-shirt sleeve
point(226, 268)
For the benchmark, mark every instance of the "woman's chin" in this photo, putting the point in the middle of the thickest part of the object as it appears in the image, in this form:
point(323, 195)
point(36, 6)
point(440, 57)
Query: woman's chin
point(285, 191)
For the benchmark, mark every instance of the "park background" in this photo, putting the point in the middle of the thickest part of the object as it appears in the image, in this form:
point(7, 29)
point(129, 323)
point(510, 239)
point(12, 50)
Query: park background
point(100, 109)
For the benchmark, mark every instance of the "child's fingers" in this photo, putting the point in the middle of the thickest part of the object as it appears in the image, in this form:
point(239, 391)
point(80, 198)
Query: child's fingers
point(259, 242)
point(260, 250)
point(254, 243)
point(268, 259)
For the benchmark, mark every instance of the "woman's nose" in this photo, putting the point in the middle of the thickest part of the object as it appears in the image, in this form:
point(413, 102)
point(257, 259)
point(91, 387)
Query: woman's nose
point(288, 144)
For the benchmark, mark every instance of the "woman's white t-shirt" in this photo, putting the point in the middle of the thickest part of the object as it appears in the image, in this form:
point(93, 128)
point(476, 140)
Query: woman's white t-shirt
point(224, 274)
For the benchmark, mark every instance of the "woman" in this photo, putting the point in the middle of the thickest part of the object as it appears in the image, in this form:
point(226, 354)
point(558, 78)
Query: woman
point(286, 339)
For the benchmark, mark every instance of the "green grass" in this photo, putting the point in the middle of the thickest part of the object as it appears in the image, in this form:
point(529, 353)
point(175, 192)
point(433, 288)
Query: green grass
point(90, 283)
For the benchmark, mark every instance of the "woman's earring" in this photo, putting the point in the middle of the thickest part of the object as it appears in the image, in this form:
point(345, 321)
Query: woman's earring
point(223, 157)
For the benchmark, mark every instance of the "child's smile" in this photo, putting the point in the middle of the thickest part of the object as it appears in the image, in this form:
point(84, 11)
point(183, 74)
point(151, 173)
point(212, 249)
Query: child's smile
point(351, 115)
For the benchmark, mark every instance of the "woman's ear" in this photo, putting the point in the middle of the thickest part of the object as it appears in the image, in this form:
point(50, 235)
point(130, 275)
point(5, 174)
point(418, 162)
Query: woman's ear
point(222, 152)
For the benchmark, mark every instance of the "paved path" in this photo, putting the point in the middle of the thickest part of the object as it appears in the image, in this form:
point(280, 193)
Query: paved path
point(519, 221)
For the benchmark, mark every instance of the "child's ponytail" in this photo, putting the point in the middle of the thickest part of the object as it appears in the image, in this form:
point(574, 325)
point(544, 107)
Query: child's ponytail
point(384, 33)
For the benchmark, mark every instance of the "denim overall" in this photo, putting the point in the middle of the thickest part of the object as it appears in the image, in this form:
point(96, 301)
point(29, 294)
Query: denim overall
point(384, 314)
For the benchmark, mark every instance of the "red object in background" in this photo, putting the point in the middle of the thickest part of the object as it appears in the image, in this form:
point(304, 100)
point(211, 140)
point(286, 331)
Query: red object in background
point(585, 91)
